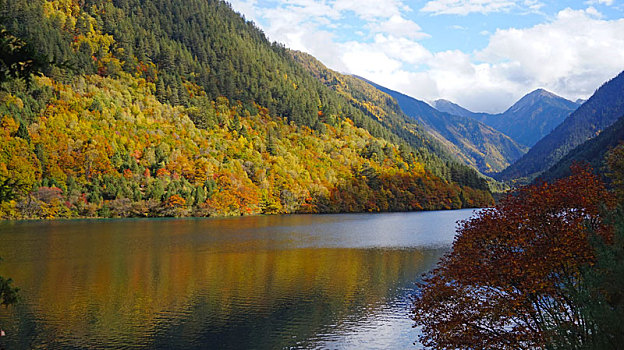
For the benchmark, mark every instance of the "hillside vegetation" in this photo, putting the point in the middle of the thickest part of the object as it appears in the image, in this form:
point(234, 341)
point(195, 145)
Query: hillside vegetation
point(592, 151)
point(174, 108)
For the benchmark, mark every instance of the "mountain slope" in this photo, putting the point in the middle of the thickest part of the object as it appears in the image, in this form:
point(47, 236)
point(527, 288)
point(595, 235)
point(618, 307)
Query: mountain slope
point(533, 116)
point(527, 121)
point(386, 110)
point(475, 143)
point(449, 107)
point(602, 109)
point(181, 46)
point(592, 151)
point(178, 107)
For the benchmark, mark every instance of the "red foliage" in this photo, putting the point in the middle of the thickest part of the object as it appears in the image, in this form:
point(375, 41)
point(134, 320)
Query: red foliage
point(503, 285)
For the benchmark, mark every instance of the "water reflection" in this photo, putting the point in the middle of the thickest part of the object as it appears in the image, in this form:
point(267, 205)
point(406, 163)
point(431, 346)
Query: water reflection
point(265, 282)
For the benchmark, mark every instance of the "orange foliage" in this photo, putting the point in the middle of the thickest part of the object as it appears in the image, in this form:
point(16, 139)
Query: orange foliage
point(503, 285)
point(175, 201)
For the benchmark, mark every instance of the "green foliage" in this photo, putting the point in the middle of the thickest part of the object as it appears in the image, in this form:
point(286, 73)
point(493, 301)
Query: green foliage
point(17, 60)
point(601, 292)
point(601, 297)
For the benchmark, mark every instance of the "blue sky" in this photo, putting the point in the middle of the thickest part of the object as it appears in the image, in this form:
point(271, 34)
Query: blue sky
point(482, 54)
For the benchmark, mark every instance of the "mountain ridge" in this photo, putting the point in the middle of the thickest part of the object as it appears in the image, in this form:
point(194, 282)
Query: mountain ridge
point(474, 142)
point(600, 111)
point(526, 121)
point(592, 151)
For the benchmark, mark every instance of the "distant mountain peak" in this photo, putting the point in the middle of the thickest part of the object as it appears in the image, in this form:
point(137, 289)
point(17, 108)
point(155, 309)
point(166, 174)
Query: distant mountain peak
point(542, 93)
point(473, 142)
point(602, 109)
point(528, 120)
point(541, 96)
point(450, 107)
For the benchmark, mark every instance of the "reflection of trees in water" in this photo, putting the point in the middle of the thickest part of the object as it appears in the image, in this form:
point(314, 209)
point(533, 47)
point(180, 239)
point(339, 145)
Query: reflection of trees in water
point(118, 292)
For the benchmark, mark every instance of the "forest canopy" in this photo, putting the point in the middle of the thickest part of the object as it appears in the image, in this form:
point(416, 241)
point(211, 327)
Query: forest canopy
point(176, 108)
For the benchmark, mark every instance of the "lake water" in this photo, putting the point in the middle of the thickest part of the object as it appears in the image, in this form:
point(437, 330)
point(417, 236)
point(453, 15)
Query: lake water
point(267, 282)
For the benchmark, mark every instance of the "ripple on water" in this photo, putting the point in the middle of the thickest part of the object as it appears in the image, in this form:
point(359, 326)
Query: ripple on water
point(301, 282)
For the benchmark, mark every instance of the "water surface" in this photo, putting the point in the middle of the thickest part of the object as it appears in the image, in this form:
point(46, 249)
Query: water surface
point(272, 282)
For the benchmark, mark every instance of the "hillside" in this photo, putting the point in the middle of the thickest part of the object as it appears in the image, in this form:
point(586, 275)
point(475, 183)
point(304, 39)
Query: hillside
point(527, 121)
point(602, 109)
point(592, 151)
point(184, 108)
point(475, 143)
point(384, 108)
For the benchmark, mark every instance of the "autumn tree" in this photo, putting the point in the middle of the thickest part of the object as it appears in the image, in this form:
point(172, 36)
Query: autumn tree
point(509, 279)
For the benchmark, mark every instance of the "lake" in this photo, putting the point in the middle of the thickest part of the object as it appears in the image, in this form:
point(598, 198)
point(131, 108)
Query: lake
point(266, 282)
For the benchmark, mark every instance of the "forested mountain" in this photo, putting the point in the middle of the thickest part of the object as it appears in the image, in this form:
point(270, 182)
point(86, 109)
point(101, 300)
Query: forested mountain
point(473, 142)
point(592, 151)
point(184, 108)
point(384, 108)
point(602, 109)
point(527, 121)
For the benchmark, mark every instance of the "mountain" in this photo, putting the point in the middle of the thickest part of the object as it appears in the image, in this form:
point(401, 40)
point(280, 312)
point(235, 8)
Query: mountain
point(473, 142)
point(454, 109)
point(592, 151)
point(602, 109)
point(373, 103)
point(527, 121)
point(450, 107)
point(533, 116)
point(386, 110)
point(182, 107)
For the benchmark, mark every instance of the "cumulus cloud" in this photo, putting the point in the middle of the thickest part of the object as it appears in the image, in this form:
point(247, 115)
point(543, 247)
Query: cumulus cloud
point(571, 54)
point(399, 26)
point(372, 9)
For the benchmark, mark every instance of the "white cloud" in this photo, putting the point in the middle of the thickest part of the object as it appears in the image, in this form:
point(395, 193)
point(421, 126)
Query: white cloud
point(372, 9)
point(464, 7)
point(247, 8)
point(399, 26)
point(571, 54)
point(601, 2)
point(533, 5)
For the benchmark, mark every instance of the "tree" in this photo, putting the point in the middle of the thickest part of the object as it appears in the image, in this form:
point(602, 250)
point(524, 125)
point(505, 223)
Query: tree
point(8, 294)
point(601, 295)
point(507, 282)
point(17, 59)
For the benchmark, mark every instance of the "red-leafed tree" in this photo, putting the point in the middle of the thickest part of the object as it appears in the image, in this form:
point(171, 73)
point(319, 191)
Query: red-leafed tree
point(507, 282)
